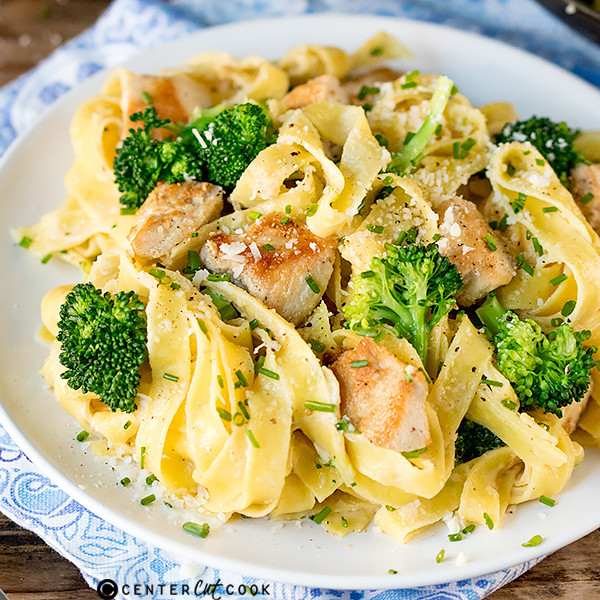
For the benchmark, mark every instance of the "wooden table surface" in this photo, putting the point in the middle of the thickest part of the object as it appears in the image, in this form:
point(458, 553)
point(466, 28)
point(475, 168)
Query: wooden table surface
point(29, 569)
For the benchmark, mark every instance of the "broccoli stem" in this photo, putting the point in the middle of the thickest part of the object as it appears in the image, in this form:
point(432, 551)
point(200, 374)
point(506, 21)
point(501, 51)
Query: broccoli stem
point(403, 162)
point(490, 313)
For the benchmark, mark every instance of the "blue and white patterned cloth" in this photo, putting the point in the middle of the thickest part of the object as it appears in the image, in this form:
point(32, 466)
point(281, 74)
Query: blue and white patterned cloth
point(98, 549)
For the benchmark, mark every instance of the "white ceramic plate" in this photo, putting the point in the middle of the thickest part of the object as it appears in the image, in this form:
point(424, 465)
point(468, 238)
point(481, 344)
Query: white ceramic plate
point(31, 181)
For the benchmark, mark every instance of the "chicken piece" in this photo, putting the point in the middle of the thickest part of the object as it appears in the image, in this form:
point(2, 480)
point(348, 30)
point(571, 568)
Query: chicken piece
point(573, 412)
point(384, 400)
point(174, 98)
point(585, 180)
point(170, 214)
point(278, 260)
point(321, 89)
point(482, 268)
point(372, 78)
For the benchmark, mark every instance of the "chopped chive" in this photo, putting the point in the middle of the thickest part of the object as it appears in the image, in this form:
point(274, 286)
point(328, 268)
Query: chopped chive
point(195, 234)
point(46, 258)
point(409, 136)
point(312, 209)
point(491, 243)
point(521, 262)
point(175, 286)
point(344, 522)
point(312, 284)
point(224, 414)
point(587, 198)
point(547, 501)
point(142, 456)
point(392, 571)
point(469, 529)
point(193, 260)
point(356, 364)
point(243, 410)
point(322, 515)
point(285, 220)
point(226, 310)
point(241, 378)
point(537, 246)
point(220, 381)
point(519, 202)
point(157, 273)
point(540, 162)
point(491, 382)
point(468, 144)
point(544, 426)
point(568, 308)
point(197, 530)
point(254, 324)
point(26, 242)
point(367, 274)
point(375, 228)
point(128, 210)
point(413, 453)
point(550, 209)
point(436, 237)
point(408, 85)
point(252, 439)
point(411, 235)
point(316, 345)
point(376, 51)
point(268, 247)
point(319, 406)
point(536, 540)
point(455, 537)
point(556, 322)
point(218, 277)
point(454, 90)
point(438, 129)
point(503, 224)
point(238, 419)
point(407, 376)
point(440, 556)
point(268, 373)
point(151, 479)
point(148, 500)
point(254, 214)
point(558, 279)
point(167, 504)
point(170, 377)
point(147, 98)
point(390, 508)
point(509, 404)
point(383, 141)
point(288, 209)
point(82, 436)
point(125, 481)
point(127, 425)
point(260, 361)
point(488, 521)
point(202, 326)
point(510, 170)
point(366, 90)
point(366, 331)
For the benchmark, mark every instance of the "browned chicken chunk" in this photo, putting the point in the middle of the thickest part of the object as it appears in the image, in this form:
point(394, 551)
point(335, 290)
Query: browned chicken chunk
point(573, 412)
point(174, 98)
point(278, 260)
point(385, 399)
point(170, 214)
point(484, 264)
point(326, 88)
point(584, 184)
point(369, 79)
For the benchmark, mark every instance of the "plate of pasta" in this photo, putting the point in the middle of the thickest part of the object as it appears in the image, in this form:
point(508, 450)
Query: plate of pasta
point(319, 301)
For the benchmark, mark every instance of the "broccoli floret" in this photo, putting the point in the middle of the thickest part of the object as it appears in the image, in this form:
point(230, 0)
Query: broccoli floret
point(142, 161)
point(411, 155)
point(103, 344)
point(546, 371)
point(555, 141)
point(410, 289)
point(216, 147)
point(233, 140)
point(474, 440)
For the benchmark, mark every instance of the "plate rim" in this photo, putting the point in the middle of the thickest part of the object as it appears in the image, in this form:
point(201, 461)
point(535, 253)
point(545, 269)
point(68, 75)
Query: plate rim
point(161, 541)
